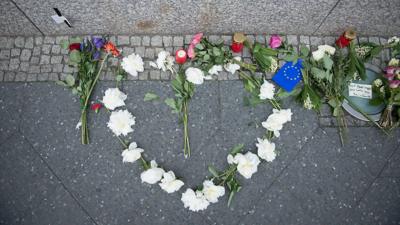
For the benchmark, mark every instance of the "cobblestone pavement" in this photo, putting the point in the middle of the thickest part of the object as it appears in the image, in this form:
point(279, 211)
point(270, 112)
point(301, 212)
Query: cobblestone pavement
point(48, 177)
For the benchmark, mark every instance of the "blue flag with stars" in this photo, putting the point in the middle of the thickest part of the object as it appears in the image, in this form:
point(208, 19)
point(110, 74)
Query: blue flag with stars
point(289, 75)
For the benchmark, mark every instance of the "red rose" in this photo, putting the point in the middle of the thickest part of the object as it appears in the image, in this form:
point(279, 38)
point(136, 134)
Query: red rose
point(342, 42)
point(236, 47)
point(75, 46)
point(96, 107)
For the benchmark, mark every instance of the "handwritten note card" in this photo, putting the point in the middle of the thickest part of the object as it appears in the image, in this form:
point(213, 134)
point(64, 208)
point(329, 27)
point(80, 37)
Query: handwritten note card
point(360, 90)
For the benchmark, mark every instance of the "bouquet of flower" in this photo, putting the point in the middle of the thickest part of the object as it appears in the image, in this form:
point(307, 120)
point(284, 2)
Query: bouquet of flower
point(387, 88)
point(89, 56)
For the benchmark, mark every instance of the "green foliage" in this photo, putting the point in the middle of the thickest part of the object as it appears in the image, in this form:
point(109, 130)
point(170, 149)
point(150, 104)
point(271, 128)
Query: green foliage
point(150, 96)
point(238, 148)
point(209, 54)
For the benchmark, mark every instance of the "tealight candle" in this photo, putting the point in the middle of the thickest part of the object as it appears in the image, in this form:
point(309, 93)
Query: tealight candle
point(180, 56)
point(237, 42)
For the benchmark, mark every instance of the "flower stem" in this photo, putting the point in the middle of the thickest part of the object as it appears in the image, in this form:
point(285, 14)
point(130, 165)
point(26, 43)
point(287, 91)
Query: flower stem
point(186, 146)
point(84, 129)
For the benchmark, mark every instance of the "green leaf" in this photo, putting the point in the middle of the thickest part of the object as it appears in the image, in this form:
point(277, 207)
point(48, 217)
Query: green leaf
point(75, 56)
point(119, 77)
point(199, 46)
point(318, 73)
point(328, 62)
point(70, 80)
point(238, 148)
point(64, 44)
point(231, 194)
point(206, 57)
point(172, 104)
point(304, 50)
point(213, 171)
point(62, 83)
point(332, 103)
point(397, 97)
point(282, 94)
point(75, 40)
point(216, 51)
point(149, 96)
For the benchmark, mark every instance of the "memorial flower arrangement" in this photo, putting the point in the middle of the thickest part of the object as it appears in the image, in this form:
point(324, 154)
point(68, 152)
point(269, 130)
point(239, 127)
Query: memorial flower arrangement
point(326, 72)
point(387, 88)
point(88, 56)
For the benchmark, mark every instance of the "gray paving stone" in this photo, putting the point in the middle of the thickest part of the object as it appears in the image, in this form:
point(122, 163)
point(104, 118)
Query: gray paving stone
point(58, 68)
point(178, 41)
point(43, 76)
point(15, 52)
point(20, 76)
point(167, 41)
point(155, 75)
point(19, 42)
point(36, 50)
point(5, 54)
point(31, 77)
point(4, 65)
point(59, 39)
point(46, 49)
point(305, 40)
point(145, 41)
point(24, 66)
point(29, 42)
point(34, 69)
point(44, 59)
point(35, 60)
point(315, 41)
point(156, 40)
point(25, 55)
point(38, 40)
point(123, 40)
point(56, 59)
point(140, 50)
point(136, 41)
point(56, 49)
point(292, 39)
point(14, 64)
point(45, 69)
point(1, 75)
point(149, 53)
point(9, 76)
point(49, 40)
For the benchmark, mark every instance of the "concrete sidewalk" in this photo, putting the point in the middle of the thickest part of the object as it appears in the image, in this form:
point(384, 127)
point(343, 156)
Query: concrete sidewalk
point(48, 177)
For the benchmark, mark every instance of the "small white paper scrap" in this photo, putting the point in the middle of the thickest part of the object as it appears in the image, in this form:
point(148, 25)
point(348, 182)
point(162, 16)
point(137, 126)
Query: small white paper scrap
point(58, 19)
point(360, 90)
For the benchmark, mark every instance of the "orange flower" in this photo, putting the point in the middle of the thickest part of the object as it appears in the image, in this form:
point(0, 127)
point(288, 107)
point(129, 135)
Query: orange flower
point(110, 48)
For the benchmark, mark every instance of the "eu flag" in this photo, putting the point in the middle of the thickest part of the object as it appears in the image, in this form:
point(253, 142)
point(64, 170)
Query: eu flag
point(289, 75)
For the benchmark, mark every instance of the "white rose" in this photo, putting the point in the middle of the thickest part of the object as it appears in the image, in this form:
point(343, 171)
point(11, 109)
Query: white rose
point(195, 201)
point(132, 64)
point(327, 49)
point(318, 55)
point(232, 67)
point(247, 164)
point(394, 62)
point(285, 113)
point(273, 124)
point(212, 192)
point(164, 61)
point(267, 90)
point(113, 98)
point(120, 122)
point(152, 175)
point(194, 75)
point(393, 40)
point(131, 154)
point(266, 149)
point(169, 183)
point(215, 70)
point(230, 159)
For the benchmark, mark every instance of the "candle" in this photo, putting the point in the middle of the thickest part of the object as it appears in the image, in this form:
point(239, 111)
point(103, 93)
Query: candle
point(180, 56)
point(237, 42)
point(345, 39)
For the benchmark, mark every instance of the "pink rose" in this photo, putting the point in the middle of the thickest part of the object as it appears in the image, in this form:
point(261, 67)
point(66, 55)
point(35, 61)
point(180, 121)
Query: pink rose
point(195, 40)
point(389, 76)
point(394, 83)
point(390, 69)
point(275, 41)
